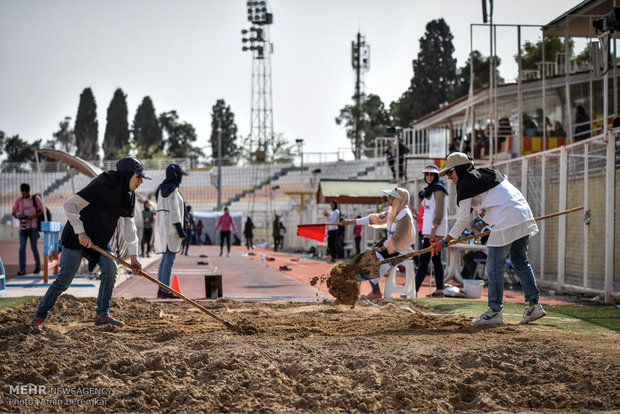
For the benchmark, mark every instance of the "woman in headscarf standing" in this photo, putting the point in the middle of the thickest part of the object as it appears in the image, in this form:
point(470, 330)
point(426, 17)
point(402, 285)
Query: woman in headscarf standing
point(94, 213)
point(169, 232)
point(502, 206)
point(434, 227)
point(398, 221)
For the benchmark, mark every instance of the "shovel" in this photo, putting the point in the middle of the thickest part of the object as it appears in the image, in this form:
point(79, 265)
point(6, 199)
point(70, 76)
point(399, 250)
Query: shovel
point(163, 285)
point(366, 272)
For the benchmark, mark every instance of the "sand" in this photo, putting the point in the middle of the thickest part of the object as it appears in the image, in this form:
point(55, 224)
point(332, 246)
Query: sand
point(302, 357)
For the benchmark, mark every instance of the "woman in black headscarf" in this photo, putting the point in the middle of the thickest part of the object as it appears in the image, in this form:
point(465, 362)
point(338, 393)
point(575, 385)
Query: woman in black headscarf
point(94, 213)
point(169, 232)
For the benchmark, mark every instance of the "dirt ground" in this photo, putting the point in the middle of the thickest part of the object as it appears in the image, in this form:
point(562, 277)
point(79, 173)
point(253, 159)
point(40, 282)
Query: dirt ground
point(300, 357)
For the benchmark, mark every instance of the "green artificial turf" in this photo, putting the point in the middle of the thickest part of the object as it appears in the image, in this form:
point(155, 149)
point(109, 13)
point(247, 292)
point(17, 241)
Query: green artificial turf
point(17, 301)
point(571, 318)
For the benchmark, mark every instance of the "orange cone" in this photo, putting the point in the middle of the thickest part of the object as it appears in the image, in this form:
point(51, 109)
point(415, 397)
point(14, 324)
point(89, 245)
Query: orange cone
point(175, 283)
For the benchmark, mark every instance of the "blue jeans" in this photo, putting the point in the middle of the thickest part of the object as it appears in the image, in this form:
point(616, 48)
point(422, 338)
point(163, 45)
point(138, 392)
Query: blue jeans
point(33, 234)
point(165, 268)
point(496, 262)
point(69, 264)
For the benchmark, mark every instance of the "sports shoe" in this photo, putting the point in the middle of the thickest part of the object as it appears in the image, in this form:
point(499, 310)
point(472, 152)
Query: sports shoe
point(490, 317)
point(21, 273)
point(107, 319)
point(36, 270)
point(532, 312)
point(37, 323)
point(435, 295)
point(373, 295)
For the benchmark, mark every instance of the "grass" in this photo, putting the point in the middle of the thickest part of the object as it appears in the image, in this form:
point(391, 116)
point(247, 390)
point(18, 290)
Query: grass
point(569, 318)
point(17, 301)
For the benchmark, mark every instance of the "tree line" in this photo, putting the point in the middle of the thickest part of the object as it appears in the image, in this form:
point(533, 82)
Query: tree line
point(436, 81)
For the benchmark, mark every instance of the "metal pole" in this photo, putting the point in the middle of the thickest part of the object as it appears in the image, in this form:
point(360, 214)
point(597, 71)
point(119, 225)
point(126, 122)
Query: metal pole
point(219, 162)
point(516, 145)
point(544, 96)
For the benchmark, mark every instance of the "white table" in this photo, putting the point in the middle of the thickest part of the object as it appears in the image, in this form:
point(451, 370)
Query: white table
point(453, 259)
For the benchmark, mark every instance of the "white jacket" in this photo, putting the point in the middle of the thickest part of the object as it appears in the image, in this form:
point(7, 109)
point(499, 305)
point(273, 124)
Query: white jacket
point(169, 211)
point(429, 213)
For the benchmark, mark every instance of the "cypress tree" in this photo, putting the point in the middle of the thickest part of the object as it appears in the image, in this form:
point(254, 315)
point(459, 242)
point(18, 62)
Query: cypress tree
point(179, 137)
point(230, 150)
point(116, 137)
point(147, 134)
point(87, 127)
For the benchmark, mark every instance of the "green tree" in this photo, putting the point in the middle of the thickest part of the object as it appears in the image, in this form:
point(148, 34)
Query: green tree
point(230, 150)
point(276, 150)
point(532, 52)
point(64, 138)
point(116, 137)
point(481, 75)
point(87, 127)
point(147, 134)
point(18, 151)
point(434, 75)
point(374, 120)
point(179, 137)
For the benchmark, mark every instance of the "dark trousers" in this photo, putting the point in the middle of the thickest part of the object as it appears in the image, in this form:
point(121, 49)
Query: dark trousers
point(420, 275)
point(332, 243)
point(224, 235)
point(469, 266)
point(147, 235)
point(248, 242)
point(358, 241)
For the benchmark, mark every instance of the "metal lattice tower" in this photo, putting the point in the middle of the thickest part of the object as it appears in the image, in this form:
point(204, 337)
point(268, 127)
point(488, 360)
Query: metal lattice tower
point(256, 40)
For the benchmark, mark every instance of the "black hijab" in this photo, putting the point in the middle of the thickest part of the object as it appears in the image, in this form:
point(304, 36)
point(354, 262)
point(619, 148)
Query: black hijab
point(435, 185)
point(174, 176)
point(473, 181)
point(109, 198)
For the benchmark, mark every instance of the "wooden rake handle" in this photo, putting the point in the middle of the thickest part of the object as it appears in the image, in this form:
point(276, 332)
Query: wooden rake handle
point(163, 285)
point(486, 233)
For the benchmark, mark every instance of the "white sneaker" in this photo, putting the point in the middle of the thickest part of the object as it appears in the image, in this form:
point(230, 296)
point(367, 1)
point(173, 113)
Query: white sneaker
point(533, 312)
point(490, 317)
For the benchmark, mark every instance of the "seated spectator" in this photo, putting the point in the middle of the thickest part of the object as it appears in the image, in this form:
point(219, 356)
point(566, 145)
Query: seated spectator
point(583, 129)
point(469, 265)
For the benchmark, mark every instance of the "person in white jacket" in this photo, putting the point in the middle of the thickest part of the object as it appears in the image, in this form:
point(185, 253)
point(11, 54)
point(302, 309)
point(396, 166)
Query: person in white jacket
point(169, 232)
point(398, 221)
point(489, 194)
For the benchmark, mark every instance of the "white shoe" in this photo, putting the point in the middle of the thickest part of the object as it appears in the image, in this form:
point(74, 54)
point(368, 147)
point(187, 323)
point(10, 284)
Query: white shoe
point(227, 254)
point(490, 317)
point(532, 313)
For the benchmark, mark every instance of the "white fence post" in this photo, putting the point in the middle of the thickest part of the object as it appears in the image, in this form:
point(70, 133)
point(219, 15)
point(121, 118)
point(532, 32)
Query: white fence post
point(562, 219)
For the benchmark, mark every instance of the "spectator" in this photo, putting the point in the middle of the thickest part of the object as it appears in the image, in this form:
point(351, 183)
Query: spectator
point(434, 227)
point(248, 233)
point(402, 151)
point(277, 233)
point(148, 218)
point(399, 223)
point(190, 231)
point(199, 227)
point(507, 212)
point(225, 223)
point(94, 214)
point(469, 265)
point(28, 210)
point(333, 218)
point(169, 232)
point(389, 155)
point(583, 129)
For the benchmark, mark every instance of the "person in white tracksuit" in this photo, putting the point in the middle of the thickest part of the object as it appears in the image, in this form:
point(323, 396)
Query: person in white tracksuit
point(502, 206)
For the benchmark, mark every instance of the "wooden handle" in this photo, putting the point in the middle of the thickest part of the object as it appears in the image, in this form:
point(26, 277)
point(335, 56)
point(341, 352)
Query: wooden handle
point(163, 285)
point(486, 233)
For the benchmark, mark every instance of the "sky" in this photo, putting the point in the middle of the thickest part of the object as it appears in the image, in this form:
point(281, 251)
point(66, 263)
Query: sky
point(186, 54)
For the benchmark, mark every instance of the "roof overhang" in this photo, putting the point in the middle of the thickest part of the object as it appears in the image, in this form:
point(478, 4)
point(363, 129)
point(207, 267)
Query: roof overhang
point(578, 20)
point(352, 191)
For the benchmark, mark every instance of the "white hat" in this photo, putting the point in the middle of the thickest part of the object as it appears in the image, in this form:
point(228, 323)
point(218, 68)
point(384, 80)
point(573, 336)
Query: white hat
point(431, 169)
point(454, 160)
point(391, 193)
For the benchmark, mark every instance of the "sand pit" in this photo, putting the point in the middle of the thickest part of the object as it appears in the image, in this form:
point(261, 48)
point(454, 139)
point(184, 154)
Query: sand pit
point(313, 357)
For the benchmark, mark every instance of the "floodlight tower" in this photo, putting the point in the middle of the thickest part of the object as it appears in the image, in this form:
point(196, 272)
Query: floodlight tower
point(256, 40)
point(360, 60)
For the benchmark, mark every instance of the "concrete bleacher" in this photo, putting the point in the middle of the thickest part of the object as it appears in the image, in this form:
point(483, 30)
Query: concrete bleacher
point(244, 188)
